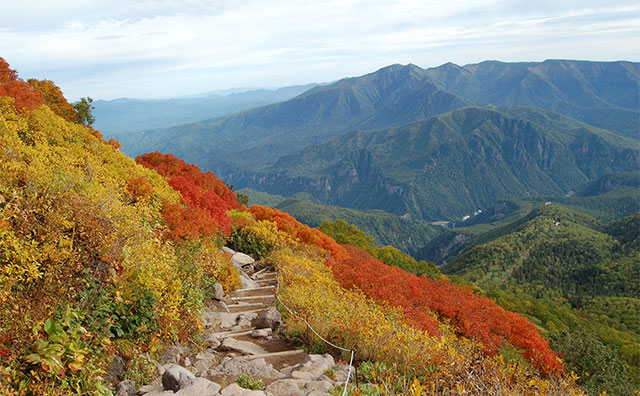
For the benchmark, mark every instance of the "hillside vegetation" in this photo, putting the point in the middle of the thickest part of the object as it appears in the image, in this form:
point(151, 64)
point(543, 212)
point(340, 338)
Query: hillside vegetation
point(102, 256)
point(453, 164)
point(559, 267)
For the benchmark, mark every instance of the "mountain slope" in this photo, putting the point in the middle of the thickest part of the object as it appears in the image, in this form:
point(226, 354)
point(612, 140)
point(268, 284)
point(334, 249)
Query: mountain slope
point(391, 96)
point(603, 94)
point(534, 253)
point(451, 165)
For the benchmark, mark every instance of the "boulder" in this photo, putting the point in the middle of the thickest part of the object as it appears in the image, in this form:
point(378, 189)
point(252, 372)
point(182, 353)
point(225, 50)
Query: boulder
point(176, 378)
point(228, 250)
point(313, 366)
point(116, 370)
point(171, 355)
point(218, 291)
point(319, 386)
point(270, 319)
point(248, 283)
point(240, 259)
point(126, 388)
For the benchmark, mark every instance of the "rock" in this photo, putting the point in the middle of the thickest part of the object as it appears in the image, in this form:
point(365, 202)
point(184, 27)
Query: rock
point(154, 387)
point(126, 388)
point(318, 393)
point(342, 372)
point(303, 375)
point(116, 370)
point(262, 333)
point(257, 368)
point(210, 319)
point(227, 320)
point(201, 366)
point(244, 347)
point(187, 361)
point(320, 386)
point(176, 378)
point(200, 387)
point(171, 355)
point(270, 319)
point(206, 355)
point(314, 366)
point(228, 250)
point(248, 283)
point(284, 387)
point(240, 259)
point(218, 291)
point(222, 307)
point(236, 390)
point(211, 340)
point(244, 320)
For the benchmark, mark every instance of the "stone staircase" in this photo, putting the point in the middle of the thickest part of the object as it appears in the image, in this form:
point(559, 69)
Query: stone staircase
point(241, 337)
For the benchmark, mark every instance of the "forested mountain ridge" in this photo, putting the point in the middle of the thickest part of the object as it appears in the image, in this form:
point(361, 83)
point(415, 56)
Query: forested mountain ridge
point(452, 164)
point(603, 94)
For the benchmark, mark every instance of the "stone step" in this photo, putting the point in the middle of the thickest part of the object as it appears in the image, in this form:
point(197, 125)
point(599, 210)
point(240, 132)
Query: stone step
point(242, 298)
point(234, 333)
point(255, 288)
point(244, 308)
point(260, 272)
point(274, 354)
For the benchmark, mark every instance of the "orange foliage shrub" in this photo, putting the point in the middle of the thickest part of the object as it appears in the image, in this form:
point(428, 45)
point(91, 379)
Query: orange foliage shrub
point(206, 199)
point(140, 188)
point(299, 231)
point(474, 317)
point(53, 97)
point(26, 98)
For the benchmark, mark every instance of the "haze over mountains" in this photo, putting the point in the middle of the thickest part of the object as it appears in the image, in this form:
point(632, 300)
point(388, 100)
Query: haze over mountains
point(119, 117)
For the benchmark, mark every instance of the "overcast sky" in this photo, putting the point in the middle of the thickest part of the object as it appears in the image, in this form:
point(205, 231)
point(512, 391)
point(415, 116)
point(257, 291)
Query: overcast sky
point(162, 48)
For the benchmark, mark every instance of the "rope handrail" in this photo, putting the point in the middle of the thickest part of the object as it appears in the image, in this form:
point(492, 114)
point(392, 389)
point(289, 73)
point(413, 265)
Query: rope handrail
point(352, 351)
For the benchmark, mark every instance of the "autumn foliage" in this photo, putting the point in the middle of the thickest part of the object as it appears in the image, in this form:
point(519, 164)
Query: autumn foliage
point(205, 199)
point(25, 96)
point(474, 317)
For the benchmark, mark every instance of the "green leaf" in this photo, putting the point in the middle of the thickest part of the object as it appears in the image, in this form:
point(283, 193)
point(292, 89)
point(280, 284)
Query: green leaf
point(49, 326)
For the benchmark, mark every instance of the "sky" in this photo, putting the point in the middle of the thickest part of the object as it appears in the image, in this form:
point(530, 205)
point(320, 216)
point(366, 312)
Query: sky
point(163, 48)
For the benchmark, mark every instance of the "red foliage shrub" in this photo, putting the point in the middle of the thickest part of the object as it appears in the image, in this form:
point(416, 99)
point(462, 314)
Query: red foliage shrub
point(206, 199)
point(473, 316)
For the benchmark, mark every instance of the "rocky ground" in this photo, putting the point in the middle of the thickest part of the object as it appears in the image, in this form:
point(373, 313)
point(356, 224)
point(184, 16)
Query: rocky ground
point(241, 336)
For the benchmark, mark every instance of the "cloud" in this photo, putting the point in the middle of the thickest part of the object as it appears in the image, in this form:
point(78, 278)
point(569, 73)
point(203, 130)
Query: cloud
point(168, 48)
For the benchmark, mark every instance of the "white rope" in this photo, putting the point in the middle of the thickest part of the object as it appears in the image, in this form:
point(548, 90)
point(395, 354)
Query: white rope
point(346, 383)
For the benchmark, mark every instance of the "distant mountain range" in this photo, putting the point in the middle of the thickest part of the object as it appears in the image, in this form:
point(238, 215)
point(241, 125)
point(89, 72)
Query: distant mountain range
point(119, 117)
point(430, 143)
